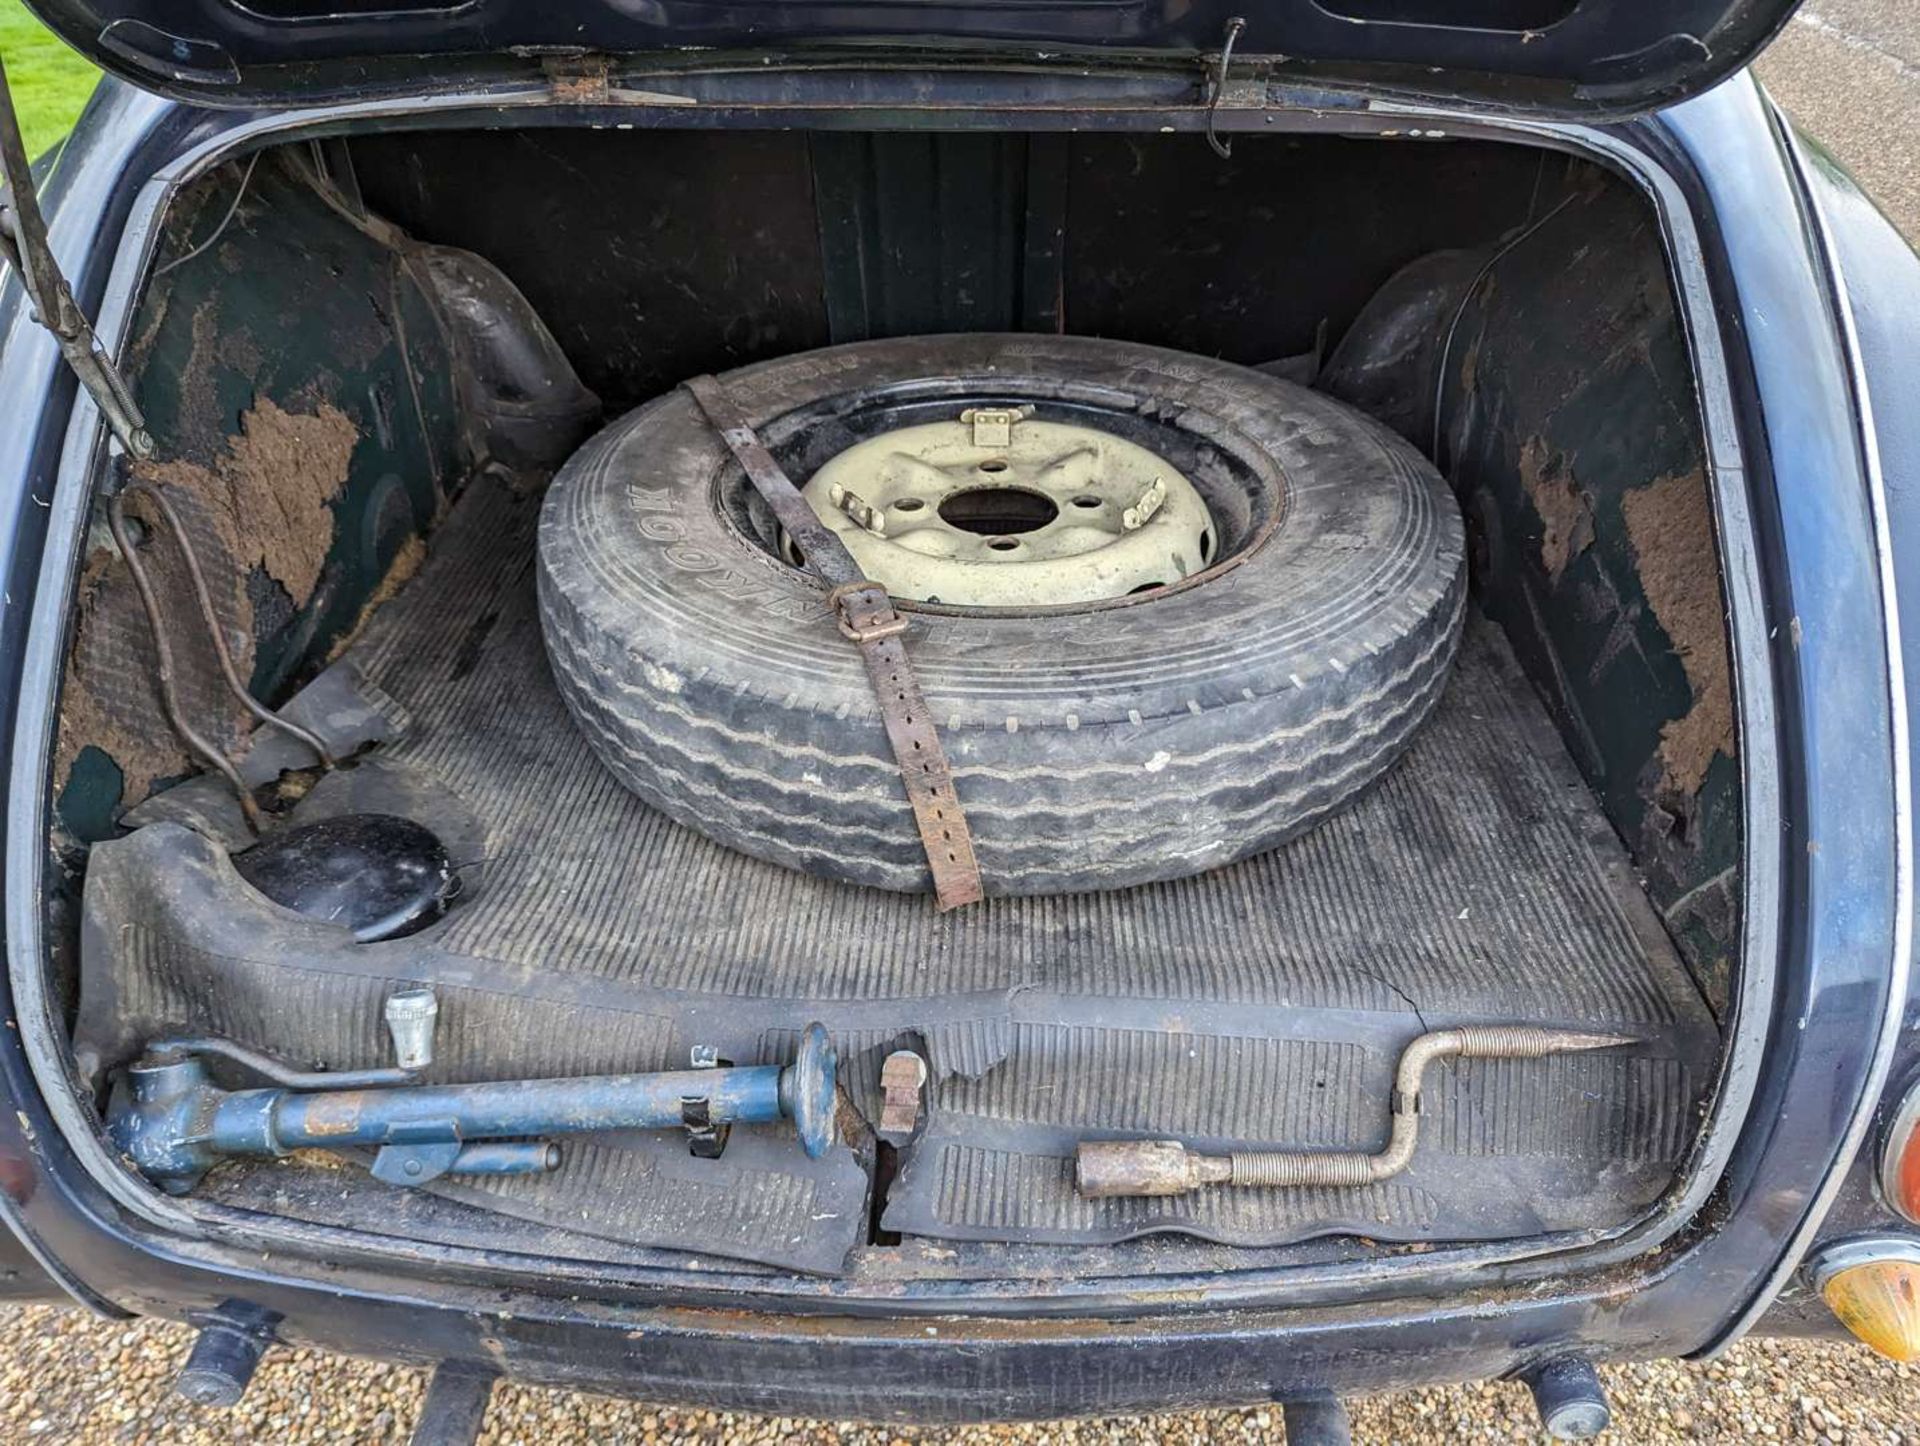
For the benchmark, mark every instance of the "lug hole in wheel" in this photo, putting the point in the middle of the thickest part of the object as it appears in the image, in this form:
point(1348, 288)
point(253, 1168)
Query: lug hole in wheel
point(1084, 501)
point(1003, 544)
point(993, 464)
point(908, 504)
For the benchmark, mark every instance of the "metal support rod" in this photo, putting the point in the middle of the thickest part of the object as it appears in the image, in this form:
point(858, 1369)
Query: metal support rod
point(267, 1067)
point(241, 693)
point(196, 576)
point(409, 1012)
point(1218, 91)
point(1106, 1168)
point(23, 244)
point(163, 670)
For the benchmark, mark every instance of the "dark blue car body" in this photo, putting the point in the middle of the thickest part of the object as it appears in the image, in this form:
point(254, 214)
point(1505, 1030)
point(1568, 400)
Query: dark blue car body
point(1801, 300)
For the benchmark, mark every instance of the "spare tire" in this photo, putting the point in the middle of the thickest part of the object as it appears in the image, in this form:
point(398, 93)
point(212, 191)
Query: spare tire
point(1094, 746)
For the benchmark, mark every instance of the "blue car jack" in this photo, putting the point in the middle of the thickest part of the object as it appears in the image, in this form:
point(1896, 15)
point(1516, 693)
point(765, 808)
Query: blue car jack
point(174, 1123)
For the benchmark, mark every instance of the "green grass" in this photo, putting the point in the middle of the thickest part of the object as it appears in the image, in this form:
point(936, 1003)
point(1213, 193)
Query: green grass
point(50, 82)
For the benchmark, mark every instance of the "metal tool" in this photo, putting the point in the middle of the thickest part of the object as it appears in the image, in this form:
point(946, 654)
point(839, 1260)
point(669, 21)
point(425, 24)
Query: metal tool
point(170, 1119)
point(1106, 1168)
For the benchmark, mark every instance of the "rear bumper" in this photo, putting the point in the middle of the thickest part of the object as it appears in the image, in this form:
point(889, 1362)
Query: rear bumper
point(947, 1372)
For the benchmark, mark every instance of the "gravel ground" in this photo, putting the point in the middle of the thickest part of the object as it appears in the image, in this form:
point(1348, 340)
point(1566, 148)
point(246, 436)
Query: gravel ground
point(1850, 71)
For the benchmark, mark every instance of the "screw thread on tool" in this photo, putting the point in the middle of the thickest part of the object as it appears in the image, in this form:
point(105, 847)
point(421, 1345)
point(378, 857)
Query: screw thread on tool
point(1270, 1168)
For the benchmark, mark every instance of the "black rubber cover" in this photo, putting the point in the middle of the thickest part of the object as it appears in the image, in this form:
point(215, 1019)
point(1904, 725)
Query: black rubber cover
point(1093, 749)
point(381, 876)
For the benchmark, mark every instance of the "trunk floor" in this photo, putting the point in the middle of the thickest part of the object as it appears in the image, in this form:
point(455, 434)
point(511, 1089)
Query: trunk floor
point(1264, 1003)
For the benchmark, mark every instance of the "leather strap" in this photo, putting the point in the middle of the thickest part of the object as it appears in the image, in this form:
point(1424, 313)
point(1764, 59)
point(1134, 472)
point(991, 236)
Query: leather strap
point(867, 616)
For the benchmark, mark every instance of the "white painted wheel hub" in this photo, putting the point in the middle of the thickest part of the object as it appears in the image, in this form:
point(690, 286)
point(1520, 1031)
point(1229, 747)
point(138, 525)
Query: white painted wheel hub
point(997, 509)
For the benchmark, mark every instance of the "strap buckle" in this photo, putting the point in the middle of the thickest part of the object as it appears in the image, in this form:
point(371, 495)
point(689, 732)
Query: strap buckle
point(887, 623)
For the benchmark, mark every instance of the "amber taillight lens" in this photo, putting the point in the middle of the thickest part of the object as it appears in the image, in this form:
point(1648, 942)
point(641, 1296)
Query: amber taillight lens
point(1872, 1285)
point(1900, 1156)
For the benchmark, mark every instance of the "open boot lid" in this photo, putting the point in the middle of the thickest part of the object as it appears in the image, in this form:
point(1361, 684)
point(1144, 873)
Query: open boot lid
point(1567, 58)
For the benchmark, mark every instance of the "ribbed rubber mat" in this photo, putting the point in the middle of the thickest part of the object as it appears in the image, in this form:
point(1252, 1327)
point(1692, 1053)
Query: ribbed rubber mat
point(1529, 1146)
point(761, 1200)
point(1263, 1003)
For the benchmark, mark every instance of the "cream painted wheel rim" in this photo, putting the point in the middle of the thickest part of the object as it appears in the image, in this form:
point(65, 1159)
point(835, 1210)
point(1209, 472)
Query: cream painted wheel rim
point(998, 509)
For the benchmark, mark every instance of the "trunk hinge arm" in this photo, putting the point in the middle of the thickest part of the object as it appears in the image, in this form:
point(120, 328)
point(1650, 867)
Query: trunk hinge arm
point(23, 244)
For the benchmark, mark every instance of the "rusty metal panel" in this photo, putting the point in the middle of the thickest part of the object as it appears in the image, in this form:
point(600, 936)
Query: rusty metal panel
point(301, 398)
point(1572, 431)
